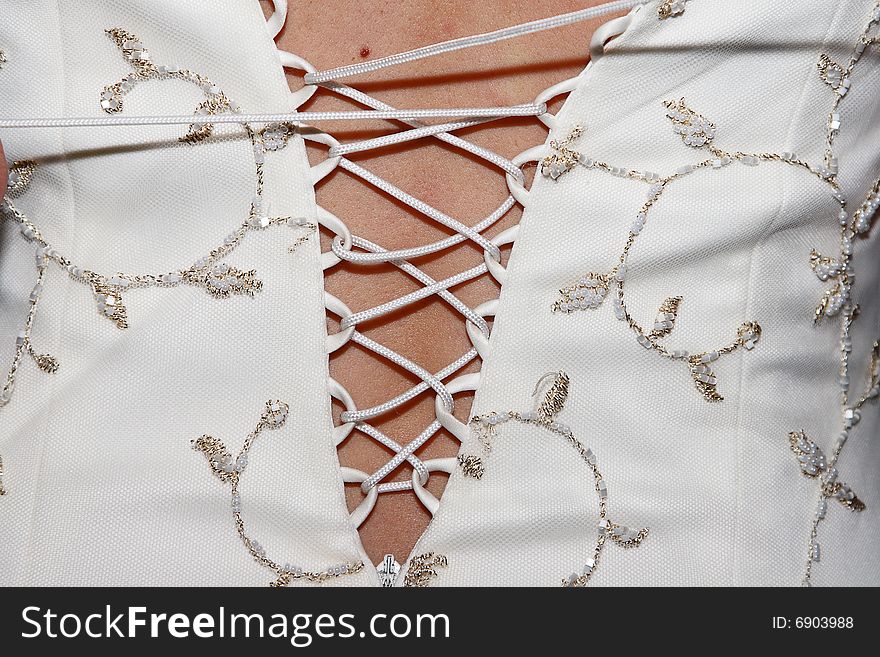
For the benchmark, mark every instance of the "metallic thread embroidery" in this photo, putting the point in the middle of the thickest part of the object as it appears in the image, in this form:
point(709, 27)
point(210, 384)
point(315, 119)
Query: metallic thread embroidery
point(696, 131)
point(44, 362)
point(563, 159)
point(210, 273)
point(863, 217)
point(486, 427)
point(668, 8)
point(229, 470)
point(20, 175)
point(590, 291)
point(423, 568)
point(837, 300)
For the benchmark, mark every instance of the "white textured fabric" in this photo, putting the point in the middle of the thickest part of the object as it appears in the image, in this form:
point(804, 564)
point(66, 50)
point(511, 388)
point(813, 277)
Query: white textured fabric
point(103, 486)
point(716, 484)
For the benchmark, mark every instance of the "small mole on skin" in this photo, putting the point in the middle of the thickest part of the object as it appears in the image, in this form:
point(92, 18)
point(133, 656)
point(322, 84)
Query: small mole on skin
point(365, 51)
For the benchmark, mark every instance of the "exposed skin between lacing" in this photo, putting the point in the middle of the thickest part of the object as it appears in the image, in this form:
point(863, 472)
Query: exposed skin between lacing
point(462, 186)
point(430, 332)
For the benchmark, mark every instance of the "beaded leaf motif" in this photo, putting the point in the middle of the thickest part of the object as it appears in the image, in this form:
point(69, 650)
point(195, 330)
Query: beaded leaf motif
point(563, 159)
point(814, 464)
point(694, 129)
point(669, 8)
point(423, 568)
point(20, 175)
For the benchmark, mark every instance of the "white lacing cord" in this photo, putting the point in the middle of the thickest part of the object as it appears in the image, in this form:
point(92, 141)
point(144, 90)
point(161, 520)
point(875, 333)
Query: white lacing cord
point(344, 243)
point(403, 136)
point(475, 40)
point(452, 140)
point(278, 117)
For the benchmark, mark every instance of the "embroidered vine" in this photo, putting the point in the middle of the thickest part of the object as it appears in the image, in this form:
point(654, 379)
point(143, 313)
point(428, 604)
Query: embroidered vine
point(838, 301)
point(591, 290)
point(423, 568)
point(698, 132)
point(669, 8)
point(230, 470)
point(210, 272)
point(485, 428)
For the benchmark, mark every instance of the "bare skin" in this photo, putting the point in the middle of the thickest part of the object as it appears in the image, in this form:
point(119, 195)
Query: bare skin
point(507, 73)
point(430, 333)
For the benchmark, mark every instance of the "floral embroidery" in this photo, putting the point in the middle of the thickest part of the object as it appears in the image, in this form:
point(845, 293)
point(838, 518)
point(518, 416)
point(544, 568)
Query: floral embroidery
point(695, 130)
point(210, 273)
point(276, 135)
point(833, 75)
point(20, 175)
point(698, 132)
point(668, 8)
point(863, 217)
point(590, 291)
point(423, 568)
point(563, 159)
point(486, 429)
point(229, 470)
point(837, 300)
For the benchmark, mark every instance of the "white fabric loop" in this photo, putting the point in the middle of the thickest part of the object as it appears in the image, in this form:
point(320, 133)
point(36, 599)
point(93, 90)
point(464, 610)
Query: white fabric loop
point(425, 496)
point(275, 22)
point(447, 420)
point(517, 189)
point(337, 307)
point(558, 89)
point(343, 235)
point(608, 31)
point(479, 340)
point(340, 392)
point(290, 60)
point(498, 271)
point(352, 476)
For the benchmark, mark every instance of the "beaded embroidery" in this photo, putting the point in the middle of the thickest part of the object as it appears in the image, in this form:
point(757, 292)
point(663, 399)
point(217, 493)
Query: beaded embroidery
point(230, 471)
point(698, 132)
point(669, 8)
point(20, 175)
point(486, 429)
point(591, 290)
point(423, 568)
point(837, 300)
point(210, 273)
